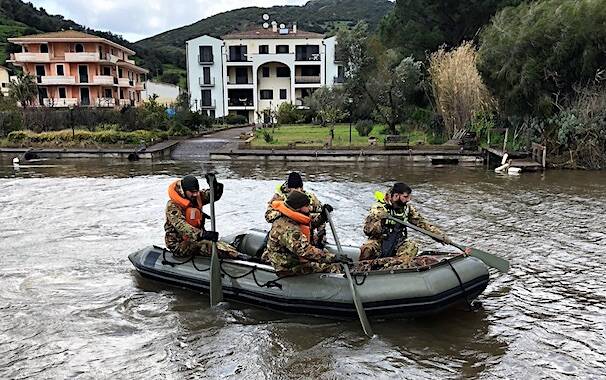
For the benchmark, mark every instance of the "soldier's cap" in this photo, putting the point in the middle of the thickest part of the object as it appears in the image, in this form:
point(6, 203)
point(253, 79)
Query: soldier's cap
point(294, 181)
point(400, 188)
point(190, 183)
point(297, 199)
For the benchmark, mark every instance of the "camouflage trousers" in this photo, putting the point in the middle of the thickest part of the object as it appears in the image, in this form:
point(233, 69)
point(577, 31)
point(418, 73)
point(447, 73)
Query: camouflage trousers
point(188, 248)
point(371, 250)
point(313, 267)
point(394, 263)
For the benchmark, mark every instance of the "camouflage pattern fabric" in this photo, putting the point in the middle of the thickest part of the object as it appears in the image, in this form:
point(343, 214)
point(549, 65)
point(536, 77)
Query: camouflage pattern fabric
point(374, 228)
point(181, 238)
point(315, 207)
point(289, 251)
point(395, 263)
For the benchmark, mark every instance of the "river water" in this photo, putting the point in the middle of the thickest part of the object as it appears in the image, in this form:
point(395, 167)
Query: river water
point(71, 304)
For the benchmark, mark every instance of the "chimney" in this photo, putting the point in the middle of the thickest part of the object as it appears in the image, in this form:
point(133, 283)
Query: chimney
point(294, 28)
point(274, 26)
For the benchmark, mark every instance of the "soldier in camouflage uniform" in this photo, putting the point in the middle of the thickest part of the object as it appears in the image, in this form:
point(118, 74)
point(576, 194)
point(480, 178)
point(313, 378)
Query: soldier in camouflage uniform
point(388, 246)
point(295, 182)
point(184, 227)
point(288, 247)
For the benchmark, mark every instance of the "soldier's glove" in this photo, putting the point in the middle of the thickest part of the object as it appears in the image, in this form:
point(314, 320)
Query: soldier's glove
point(218, 190)
point(343, 259)
point(326, 209)
point(209, 236)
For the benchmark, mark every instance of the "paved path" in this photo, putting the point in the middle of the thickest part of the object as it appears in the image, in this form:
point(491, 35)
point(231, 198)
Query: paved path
point(197, 149)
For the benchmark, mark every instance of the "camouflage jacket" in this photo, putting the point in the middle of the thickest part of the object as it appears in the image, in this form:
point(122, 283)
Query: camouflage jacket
point(175, 227)
point(374, 223)
point(315, 207)
point(287, 247)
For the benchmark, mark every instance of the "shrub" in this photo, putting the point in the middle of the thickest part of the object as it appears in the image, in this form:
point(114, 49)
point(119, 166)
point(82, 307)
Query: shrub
point(268, 137)
point(364, 127)
point(233, 119)
point(288, 113)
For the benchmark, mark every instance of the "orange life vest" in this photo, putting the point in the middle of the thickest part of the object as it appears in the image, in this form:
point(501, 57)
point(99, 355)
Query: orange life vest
point(193, 215)
point(303, 220)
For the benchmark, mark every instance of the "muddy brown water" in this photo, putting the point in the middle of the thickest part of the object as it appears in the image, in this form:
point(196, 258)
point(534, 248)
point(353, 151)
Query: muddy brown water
point(72, 306)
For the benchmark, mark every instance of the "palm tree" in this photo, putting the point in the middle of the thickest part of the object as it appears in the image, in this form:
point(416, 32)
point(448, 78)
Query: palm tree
point(24, 89)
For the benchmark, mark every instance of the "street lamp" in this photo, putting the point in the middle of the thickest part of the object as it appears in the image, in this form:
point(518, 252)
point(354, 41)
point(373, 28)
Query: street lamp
point(350, 103)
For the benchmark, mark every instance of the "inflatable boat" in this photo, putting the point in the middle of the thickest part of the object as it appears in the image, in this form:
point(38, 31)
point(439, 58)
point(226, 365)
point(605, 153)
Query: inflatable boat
point(455, 279)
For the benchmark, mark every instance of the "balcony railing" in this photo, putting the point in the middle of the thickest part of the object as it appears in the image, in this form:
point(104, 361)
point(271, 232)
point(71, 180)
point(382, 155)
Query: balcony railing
point(207, 83)
point(308, 57)
point(59, 102)
point(247, 81)
point(339, 79)
point(107, 80)
point(205, 105)
point(240, 103)
point(126, 102)
point(82, 57)
point(125, 82)
point(30, 57)
point(139, 86)
point(237, 58)
point(106, 102)
point(304, 79)
point(57, 79)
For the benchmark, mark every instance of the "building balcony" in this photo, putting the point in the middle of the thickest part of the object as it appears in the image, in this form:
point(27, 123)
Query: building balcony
point(82, 57)
point(56, 80)
point(210, 82)
point(314, 57)
point(209, 105)
point(60, 102)
point(30, 57)
point(240, 102)
point(240, 81)
point(106, 102)
point(105, 80)
point(339, 80)
point(238, 58)
point(125, 82)
point(139, 86)
point(307, 79)
point(126, 102)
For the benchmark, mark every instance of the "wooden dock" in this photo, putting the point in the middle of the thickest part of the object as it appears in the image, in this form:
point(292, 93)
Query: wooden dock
point(533, 161)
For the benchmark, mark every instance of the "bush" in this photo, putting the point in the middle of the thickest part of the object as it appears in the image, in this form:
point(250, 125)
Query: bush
point(364, 127)
point(233, 119)
point(109, 137)
point(268, 137)
point(288, 114)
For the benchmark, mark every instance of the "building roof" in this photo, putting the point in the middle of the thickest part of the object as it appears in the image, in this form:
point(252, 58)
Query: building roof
point(66, 36)
point(269, 33)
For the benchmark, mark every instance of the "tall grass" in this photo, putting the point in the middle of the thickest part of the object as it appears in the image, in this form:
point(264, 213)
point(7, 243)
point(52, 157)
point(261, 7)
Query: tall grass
point(457, 86)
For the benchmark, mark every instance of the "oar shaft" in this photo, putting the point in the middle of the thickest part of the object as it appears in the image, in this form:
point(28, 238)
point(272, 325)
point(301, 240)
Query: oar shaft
point(216, 290)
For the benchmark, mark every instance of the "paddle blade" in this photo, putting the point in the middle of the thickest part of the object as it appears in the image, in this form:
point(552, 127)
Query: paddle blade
point(216, 291)
point(489, 259)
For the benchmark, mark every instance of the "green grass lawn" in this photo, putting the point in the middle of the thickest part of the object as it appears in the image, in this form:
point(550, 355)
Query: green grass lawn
point(315, 135)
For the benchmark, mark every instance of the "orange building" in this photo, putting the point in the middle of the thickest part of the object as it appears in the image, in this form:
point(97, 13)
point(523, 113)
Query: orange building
point(78, 69)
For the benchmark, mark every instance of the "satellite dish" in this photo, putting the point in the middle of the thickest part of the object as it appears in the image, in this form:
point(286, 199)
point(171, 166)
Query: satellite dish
point(282, 26)
point(265, 25)
point(265, 17)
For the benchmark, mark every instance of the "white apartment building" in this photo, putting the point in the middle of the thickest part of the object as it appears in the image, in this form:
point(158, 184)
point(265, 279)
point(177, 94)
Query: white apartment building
point(251, 73)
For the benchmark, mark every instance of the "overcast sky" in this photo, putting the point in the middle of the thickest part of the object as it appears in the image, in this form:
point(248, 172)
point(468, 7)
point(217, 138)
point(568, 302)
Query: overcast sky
point(137, 19)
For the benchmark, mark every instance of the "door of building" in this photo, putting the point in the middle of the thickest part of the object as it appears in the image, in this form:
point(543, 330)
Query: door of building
point(84, 96)
point(83, 72)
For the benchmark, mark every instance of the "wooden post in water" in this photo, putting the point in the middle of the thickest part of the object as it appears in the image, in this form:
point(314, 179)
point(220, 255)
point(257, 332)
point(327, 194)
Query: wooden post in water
point(505, 141)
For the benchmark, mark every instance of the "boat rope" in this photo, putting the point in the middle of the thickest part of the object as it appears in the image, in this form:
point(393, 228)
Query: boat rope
point(253, 270)
point(461, 285)
point(175, 263)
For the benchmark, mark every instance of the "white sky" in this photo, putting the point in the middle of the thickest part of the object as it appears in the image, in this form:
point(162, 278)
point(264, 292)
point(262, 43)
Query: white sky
point(138, 19)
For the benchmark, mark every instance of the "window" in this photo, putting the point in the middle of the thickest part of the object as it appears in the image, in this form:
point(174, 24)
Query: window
point(206, 75)
point(263, 49)
point(107, 92)
point(310, 71)
point(206, 54)
point(266, 72)
point(282, 72)
point(44, 48)
point(107, 71)
point(119, 73)
point(79, 48)
point(281, 49)
point(238, 53)
point(60, 70)
point(62, 93)
point(267, 94)
point(205, 100)
point(282, 93)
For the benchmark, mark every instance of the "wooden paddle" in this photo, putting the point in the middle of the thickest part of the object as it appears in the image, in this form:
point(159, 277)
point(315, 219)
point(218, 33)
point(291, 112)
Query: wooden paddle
point(216, 290)
point(354, 293)
point(489, 259)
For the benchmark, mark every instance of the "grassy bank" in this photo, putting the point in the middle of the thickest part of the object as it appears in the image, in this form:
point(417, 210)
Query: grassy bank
point(82, 138)
point(313, 135)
